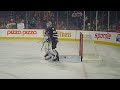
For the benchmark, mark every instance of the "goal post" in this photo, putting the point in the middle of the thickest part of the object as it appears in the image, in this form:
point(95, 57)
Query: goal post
point(88, 50)
point(81, 46)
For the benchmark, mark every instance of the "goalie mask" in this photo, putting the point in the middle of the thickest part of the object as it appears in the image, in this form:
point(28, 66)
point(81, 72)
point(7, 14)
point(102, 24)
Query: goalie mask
point(49, 24)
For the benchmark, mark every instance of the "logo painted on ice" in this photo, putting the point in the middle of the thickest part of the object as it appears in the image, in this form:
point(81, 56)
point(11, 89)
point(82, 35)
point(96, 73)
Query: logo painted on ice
point(118, 38)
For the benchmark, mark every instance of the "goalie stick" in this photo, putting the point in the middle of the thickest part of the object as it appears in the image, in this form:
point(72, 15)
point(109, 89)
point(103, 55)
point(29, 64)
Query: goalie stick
point(43, 45)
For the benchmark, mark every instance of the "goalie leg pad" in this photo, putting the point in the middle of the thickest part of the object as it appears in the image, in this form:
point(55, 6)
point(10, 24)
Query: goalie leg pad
point(55, 55)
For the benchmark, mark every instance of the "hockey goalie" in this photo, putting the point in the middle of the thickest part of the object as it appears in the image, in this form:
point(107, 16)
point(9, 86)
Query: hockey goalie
point(51, 40)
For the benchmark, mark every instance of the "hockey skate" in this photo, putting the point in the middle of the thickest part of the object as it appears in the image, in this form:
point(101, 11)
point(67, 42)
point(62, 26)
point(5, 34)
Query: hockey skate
point(57, 57)
point(47, 56)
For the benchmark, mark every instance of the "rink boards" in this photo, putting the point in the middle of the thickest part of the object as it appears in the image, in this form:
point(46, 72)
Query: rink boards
point(109, 38)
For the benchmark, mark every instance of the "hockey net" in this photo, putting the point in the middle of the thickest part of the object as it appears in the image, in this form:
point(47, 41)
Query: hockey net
point(88, 50)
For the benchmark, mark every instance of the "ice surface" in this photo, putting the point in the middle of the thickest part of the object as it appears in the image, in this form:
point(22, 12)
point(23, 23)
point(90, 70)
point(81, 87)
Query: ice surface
point(24, 60)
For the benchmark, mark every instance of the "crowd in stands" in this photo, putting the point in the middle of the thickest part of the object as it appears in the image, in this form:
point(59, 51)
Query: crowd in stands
point(70, 20)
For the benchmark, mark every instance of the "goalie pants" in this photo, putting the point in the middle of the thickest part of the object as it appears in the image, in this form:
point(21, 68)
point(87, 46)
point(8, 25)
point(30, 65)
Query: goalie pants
point(54, 44)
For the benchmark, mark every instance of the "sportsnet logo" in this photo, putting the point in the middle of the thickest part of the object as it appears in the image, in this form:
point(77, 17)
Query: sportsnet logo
point(103, 36)
point(118, 38)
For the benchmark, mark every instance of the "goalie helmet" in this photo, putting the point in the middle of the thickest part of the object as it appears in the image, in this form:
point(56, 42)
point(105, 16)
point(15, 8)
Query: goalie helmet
point(49, 24)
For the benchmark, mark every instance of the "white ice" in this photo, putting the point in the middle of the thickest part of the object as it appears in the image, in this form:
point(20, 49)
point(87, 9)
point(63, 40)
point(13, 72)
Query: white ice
point(24, 60)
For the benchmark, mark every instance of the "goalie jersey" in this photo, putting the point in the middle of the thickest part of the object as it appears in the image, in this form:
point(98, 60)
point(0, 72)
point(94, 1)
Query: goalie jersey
point(52, 34)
